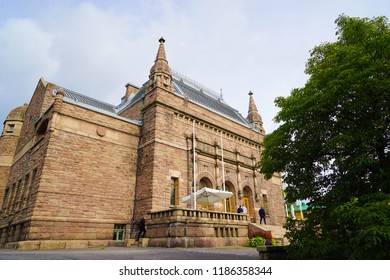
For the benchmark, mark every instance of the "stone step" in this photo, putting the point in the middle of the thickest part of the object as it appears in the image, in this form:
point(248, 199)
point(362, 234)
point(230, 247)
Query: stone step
point(142, 242)
point(278, 232)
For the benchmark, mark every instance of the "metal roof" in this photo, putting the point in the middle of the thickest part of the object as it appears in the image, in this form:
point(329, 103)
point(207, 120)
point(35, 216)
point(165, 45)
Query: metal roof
point(207, 99)
point(183, 87)
point(89, 101)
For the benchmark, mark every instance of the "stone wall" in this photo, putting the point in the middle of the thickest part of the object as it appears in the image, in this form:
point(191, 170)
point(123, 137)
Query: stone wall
point(7, 151)
point(180, 227)
point(41, 100)
point(77, 179)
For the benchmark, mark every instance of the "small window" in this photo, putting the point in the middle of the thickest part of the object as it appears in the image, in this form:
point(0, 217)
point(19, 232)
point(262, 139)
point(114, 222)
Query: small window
point(119, 232)
point(16, 197)
point(174, 192)
point(265, 204)
point(10, 128)
point(6, 193)
point(42, 127)
point(24, 190)
point(30, 186)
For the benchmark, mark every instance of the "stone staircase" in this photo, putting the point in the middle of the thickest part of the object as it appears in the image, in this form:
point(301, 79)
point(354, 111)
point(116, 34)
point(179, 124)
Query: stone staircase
point(143, 242)
point(278, 232)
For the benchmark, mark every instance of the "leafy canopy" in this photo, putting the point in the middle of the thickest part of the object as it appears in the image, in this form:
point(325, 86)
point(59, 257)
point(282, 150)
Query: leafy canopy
point(332, 145)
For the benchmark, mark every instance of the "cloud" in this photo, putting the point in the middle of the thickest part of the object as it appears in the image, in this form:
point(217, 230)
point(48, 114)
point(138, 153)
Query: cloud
point(25, 51)
point(236, 46)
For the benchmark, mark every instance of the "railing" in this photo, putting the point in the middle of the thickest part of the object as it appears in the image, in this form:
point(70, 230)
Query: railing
point(199, 227)
point(196, 84)
point(192, 213)
point(225, 232)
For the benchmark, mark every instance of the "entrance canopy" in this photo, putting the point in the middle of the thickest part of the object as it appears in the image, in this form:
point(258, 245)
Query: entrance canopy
point(208, 196)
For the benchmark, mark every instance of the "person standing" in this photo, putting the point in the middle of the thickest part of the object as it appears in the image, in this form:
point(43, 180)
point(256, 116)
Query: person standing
point(142, 228)
point(244, 209)
point(239, 210)
point(262, 215)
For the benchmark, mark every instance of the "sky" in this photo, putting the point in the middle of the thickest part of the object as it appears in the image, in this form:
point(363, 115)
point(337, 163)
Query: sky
point(231, 46)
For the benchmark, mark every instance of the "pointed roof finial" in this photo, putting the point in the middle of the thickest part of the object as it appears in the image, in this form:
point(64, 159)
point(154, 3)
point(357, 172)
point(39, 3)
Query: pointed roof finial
point(253, 114)
point(161, 62)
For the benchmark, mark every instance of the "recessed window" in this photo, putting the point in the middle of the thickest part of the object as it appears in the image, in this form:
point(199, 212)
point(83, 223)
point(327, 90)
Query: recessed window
point(24, 190)
point(174, 192)
point(10, 128)
point(265, 204)
point(30, 186)
point(43, 127)
point(119, 232)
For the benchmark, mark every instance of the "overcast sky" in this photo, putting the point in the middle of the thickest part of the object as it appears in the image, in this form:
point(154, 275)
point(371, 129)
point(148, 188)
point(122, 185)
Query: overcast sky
point(96, 47)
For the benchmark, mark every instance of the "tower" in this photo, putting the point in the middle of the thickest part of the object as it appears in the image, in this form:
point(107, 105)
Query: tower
point(8, 142)
point(153, 177)
point(253, 115)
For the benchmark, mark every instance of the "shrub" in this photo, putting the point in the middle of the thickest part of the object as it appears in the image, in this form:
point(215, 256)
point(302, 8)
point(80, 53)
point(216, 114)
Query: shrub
point(263, 235)
point(256, 241)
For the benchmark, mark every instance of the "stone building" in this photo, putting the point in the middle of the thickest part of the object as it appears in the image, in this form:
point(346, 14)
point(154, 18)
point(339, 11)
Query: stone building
point(78, 172)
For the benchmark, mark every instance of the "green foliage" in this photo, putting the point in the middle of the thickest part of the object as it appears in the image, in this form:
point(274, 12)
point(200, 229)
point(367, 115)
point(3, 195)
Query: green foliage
point(357, 229)
point(332, 146)
point(366, 226)
point(257, 238)
point(256, 241)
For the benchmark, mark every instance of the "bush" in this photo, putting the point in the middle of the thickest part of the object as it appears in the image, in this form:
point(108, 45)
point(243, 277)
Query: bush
point(256, 241)
point(266, 235)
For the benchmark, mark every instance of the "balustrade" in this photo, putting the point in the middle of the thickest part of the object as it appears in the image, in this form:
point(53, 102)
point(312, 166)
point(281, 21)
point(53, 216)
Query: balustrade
point(192, 213)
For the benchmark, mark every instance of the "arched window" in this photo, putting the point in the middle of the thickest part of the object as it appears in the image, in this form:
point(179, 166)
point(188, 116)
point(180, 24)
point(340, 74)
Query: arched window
point(205, 183)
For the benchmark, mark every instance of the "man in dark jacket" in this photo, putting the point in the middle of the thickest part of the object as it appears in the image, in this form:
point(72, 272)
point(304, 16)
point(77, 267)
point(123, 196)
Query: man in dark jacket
point(262, 215)
point(142, 228)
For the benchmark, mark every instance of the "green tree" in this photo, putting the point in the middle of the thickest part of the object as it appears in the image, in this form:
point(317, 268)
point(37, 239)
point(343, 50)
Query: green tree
point(332, 145)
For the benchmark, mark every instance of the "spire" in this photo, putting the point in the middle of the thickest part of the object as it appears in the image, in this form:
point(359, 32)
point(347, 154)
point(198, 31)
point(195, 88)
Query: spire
point(253, 115)
point(161, 63)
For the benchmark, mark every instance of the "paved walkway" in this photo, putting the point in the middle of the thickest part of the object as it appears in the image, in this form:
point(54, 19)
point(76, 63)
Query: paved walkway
point(119, 253)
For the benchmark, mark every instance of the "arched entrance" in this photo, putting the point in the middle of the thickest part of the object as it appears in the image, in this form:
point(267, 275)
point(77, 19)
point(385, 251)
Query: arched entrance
point(247, 200)
point(206, 183)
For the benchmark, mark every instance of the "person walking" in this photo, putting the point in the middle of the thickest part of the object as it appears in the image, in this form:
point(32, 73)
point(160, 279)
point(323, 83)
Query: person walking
point(142, 228)
point(262, 215)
